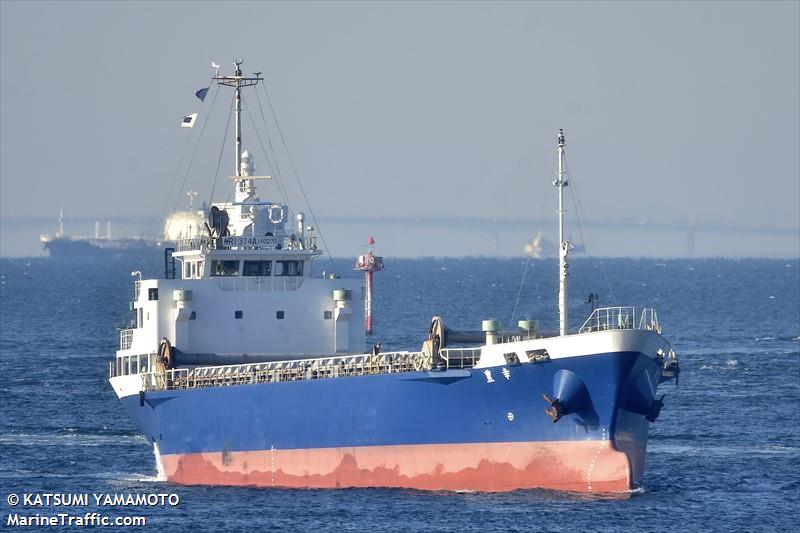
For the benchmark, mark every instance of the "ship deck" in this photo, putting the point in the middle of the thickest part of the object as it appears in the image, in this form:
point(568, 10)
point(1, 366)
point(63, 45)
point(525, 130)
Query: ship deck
point(290, 370)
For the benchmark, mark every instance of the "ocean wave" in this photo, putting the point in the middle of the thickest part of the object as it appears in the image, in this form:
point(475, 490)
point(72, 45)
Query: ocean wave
point(124, 477)
point(70, 438)
point(729, 364)
point(682, 437)
point(130, 477)
point(778, 338)
point(724, 451)
point(141, 478)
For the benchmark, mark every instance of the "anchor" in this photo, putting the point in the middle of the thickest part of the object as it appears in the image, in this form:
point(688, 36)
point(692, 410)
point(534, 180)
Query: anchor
point(670, 368)
point(556, 410)
point(569, 396)
point(655, 409)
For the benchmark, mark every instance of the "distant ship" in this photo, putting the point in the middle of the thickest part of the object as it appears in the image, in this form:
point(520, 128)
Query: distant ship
point(179, 225)
point(540, 247)
point(243, 368)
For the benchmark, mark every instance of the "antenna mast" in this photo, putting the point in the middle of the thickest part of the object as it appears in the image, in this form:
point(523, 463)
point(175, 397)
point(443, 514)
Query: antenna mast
point(237, 81)
point(563, 245)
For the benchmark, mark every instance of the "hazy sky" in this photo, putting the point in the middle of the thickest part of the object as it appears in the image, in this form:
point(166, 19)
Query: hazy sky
point(674, 111)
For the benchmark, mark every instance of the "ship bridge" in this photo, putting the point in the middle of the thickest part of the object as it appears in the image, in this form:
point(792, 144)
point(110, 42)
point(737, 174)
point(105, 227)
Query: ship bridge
point(246, 256)
point(244, 298)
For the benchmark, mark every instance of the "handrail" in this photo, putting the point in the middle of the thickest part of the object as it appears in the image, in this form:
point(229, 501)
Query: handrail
point(259, 283)
point(280, 371)
point(648, 320)
point(460, 357)
point(618, 318)
point(205, 243)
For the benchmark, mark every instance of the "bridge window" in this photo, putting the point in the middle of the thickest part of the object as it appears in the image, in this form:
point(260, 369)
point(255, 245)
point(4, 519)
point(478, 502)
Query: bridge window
point(152, 294)
point(186, 270)
point(238, 315)
point(279, 315)
point(288, 268)
point(224, 268)
point(257, 268)
point(327, 315)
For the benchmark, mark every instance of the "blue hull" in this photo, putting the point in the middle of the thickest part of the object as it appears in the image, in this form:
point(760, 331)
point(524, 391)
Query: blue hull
point(393, 415)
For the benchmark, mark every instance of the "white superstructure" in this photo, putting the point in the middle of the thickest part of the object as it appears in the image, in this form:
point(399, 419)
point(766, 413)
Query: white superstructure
point(239, 289)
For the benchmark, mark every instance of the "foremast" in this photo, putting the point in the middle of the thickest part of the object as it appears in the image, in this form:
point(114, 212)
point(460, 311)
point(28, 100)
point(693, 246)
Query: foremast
point(563, 245)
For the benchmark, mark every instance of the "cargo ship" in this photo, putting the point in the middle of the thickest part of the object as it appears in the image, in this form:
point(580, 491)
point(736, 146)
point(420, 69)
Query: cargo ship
point(69, 247)
point(244, 369)
point(178, 225)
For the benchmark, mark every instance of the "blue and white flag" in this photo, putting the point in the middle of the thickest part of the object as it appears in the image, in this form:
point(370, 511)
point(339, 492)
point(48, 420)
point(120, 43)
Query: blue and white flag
point(201, 94)
point(188, 121)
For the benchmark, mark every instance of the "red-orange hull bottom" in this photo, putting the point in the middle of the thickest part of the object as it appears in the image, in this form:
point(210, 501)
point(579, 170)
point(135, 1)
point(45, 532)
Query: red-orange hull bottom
point(581, 466)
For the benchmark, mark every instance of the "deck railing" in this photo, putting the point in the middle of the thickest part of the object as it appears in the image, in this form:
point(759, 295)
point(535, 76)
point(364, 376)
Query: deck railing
point(295, 370)
point(611, 318)
point(207, 243)
point(260, 284)
point(195, 243)
point(460, 357)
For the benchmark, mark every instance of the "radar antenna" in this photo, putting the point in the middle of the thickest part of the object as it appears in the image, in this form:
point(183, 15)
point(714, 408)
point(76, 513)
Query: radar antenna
point(238, 81)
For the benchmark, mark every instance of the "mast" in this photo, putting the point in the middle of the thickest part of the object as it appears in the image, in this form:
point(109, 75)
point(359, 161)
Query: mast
point(369, 263)
point(563, 245)
point(238, 81)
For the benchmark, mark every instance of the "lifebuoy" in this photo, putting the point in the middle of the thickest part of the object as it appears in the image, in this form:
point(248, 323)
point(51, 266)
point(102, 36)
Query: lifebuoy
point(272, 217)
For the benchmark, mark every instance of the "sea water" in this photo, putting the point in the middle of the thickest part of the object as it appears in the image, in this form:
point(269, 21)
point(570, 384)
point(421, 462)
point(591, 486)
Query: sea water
point(723, 456)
